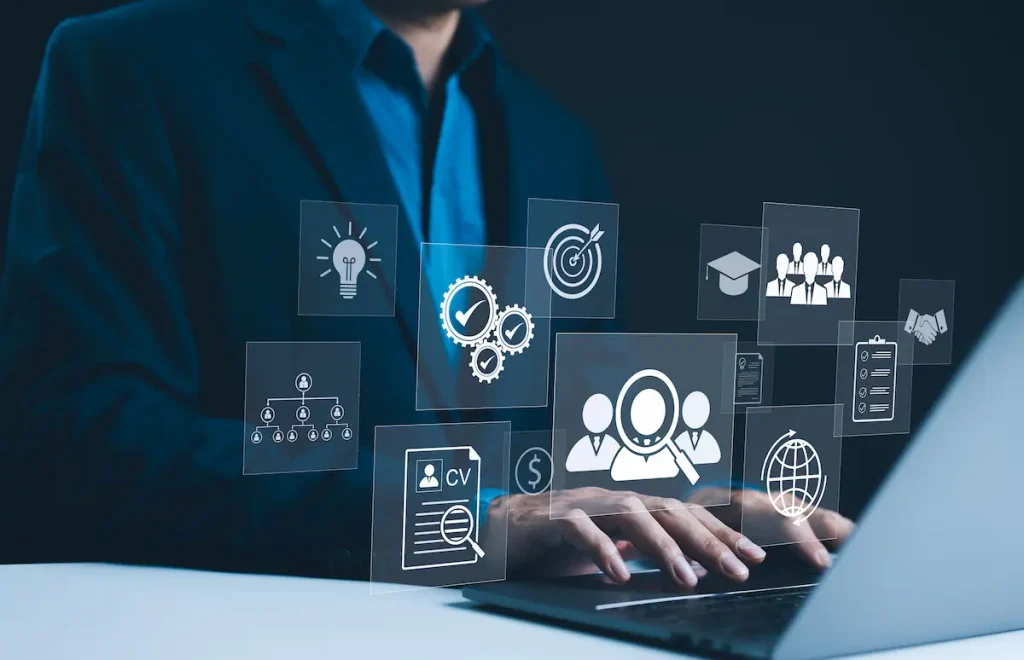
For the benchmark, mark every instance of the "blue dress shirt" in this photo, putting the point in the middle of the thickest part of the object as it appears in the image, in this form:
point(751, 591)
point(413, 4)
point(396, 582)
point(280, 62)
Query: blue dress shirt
point(430, 141)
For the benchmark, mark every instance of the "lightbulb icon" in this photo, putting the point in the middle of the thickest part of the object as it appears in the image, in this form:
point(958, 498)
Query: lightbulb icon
point(349, 258)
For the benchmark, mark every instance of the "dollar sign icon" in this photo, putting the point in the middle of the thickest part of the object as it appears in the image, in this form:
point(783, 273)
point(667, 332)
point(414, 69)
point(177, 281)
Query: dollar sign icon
point(533, 471)
point(531, 466)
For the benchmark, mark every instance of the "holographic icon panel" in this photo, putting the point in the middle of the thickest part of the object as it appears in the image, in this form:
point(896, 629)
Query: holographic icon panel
point(301, 407)
point(433, 485)
point(647, 413)
point(792, 465)
point(580, 242)
point(484, 328)
point(347, 255)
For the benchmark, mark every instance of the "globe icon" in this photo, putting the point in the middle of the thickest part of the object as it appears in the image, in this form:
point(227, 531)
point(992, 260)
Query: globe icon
point(793, 477)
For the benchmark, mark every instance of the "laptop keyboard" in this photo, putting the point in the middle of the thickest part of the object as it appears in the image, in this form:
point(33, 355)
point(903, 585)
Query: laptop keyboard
point(754, 618)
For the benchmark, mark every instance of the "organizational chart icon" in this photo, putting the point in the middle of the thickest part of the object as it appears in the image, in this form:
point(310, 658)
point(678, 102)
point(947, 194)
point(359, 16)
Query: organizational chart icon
point(304, 425)
point(473, 321)
point(301, 407)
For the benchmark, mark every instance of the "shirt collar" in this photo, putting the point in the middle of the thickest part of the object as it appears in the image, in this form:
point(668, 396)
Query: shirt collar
point(371, 44)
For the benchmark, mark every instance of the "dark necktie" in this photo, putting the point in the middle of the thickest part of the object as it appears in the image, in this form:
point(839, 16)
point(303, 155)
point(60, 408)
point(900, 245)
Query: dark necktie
point(810, 289)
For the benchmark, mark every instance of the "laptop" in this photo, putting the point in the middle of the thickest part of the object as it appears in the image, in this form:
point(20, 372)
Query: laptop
point(937, 555)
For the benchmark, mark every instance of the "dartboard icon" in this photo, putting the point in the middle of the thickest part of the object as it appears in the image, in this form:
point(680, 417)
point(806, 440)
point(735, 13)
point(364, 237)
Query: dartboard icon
point(572, 260)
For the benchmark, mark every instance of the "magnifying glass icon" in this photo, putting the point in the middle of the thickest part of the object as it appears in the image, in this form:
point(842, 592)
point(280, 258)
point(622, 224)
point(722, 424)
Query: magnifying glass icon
point(664, 441)
point(457, 528)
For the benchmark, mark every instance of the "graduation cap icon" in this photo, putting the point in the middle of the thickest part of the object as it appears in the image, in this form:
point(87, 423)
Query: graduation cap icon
point(733, 270)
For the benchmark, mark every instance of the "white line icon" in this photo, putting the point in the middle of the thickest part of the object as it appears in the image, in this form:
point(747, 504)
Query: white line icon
point(303, 415)
point(492, 335)
point(572, 263)
point(874, 380)
point(534, 483)
point(793, 475)
point(457, 528)
point(441, 507)
point(349, 258)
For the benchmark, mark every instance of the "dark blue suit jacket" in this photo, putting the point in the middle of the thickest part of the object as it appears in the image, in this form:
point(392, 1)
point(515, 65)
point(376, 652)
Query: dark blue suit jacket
point(154, 231)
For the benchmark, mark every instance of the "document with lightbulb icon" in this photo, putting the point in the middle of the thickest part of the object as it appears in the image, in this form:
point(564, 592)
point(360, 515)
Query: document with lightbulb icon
point(347, 255)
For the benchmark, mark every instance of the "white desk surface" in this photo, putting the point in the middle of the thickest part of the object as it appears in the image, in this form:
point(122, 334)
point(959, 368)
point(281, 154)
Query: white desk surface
point(97, 611)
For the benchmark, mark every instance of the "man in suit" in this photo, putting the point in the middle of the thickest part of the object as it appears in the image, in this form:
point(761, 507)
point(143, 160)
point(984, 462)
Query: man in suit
point(167, 148)
point(837, 288)
point(810, 292)
point(780, 287)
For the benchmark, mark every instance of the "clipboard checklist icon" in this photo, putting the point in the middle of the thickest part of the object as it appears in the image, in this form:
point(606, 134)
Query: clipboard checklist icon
point(874, 380)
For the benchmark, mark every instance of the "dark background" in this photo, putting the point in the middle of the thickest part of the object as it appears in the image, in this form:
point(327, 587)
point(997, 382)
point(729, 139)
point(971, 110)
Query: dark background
point(908, 111)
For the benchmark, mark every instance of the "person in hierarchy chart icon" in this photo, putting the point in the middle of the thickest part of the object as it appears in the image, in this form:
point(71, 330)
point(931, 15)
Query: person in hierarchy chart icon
point(597, 450)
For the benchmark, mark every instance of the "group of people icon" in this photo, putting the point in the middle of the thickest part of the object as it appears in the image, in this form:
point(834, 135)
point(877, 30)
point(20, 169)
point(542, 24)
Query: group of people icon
point(808, 292)
point(599, 451)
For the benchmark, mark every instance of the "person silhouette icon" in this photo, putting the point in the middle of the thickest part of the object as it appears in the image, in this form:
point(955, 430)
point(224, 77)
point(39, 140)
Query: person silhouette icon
point(780, 287)
point(825, 268)
point(429, 480)
point(697, 443)
point(647, 415)
point(796, 266)
point(303, 382)
point(809, 293)
point(597, 450)
point(837, 288)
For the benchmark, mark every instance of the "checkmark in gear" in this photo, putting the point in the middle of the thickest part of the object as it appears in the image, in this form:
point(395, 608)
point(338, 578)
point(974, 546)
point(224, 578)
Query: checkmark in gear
point(454, 320)
point(487, 361)
point(508, 332)
point(512, 339)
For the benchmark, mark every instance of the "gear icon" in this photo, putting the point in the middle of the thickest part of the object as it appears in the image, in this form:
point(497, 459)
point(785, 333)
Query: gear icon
point(487, 361)
point(469, 282)
point(501, 333)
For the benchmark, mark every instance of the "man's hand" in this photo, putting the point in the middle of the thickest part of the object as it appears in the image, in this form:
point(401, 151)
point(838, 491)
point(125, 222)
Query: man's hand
point(669, 532)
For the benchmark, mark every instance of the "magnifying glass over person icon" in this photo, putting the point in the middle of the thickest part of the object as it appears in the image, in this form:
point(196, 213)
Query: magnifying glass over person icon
point(457, 528)
point(649, 455)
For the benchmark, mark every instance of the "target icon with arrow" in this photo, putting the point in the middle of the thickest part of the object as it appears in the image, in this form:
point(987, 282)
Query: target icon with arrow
point(572, 260)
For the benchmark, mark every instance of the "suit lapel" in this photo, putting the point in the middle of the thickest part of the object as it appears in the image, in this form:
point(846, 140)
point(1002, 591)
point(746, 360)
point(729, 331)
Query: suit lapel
point(311, 84)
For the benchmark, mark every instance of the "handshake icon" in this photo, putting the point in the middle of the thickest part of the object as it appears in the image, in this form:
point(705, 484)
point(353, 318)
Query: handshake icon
point(926, 327)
